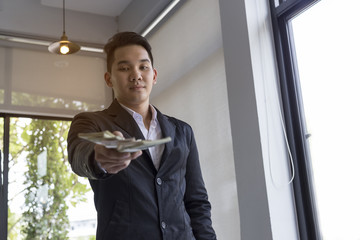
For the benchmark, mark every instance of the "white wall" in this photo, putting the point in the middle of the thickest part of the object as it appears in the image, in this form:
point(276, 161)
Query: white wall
point(196, 93)
point(229, 96)
point(200, 98)
point(262, 166)
point(275, 155)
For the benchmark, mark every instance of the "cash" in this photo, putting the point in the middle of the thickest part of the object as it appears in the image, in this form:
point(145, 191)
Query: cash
point(109, 140)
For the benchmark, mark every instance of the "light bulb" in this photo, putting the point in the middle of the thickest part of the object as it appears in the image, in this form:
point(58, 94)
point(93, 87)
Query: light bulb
point(64, 49)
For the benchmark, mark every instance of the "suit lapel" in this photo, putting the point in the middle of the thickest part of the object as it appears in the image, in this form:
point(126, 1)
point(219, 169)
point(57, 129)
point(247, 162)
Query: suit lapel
point(126, 122)
point(168, 130)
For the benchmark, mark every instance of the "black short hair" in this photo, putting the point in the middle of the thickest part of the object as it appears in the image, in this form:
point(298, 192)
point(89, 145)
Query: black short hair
point(122, 39)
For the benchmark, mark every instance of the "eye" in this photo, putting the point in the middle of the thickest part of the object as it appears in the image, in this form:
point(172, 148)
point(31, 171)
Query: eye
point(123, 68)
point(144, 67)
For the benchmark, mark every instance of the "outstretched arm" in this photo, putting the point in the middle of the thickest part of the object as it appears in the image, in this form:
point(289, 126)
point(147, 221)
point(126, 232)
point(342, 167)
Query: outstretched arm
point(92, 160)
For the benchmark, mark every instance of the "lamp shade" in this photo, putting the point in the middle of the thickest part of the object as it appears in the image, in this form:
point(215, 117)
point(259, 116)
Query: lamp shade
point(64, 46)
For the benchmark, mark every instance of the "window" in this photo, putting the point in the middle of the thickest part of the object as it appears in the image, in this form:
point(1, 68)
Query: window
point(42, 83)
point(40, 197)
point(45, 199)
point(306, 207)
point(317, 55)
point(329, 79)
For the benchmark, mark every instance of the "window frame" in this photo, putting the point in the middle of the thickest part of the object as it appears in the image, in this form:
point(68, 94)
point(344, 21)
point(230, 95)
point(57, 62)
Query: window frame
point(305, 202)
point(5, 160)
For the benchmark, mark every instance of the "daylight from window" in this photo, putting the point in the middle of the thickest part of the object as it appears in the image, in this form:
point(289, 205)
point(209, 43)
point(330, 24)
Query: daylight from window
point(45, 199)
point(327, 41)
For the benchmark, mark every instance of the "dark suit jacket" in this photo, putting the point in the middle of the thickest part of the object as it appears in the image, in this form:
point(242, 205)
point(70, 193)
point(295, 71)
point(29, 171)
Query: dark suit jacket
point(141, 202)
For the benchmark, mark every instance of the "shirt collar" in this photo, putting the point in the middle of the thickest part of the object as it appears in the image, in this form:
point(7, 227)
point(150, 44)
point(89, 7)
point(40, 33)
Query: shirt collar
point(136, 115)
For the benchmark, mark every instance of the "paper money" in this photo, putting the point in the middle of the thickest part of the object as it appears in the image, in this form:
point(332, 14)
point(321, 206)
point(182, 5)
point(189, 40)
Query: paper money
point(109, 140)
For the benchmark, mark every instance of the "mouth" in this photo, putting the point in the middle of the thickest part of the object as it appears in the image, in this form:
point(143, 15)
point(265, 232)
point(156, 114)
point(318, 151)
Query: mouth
point(137, 88)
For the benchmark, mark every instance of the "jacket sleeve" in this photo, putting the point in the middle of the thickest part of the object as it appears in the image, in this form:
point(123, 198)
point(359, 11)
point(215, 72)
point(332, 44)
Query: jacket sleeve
point(81, 152)
point(196, 199)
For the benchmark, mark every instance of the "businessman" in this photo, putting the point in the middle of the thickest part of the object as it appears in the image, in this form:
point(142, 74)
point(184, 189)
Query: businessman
point(154, 194)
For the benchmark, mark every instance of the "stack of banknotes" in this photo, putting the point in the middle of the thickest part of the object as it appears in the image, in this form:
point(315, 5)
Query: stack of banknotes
point(109, 140)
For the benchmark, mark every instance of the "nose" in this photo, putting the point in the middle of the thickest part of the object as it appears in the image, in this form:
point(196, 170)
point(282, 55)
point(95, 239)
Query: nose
point(135, 76)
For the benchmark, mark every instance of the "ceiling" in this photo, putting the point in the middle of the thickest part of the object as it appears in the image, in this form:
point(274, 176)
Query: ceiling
point(110, 8)
point(187, 36)
point(88, 22)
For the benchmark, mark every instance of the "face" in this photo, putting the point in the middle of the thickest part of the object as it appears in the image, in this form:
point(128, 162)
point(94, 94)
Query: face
point(132, 75)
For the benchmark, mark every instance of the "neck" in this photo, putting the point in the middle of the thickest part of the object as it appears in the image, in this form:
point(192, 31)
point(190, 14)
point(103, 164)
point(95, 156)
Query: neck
point(143, 109)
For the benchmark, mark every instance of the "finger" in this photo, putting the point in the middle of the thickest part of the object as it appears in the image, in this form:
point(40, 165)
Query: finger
point(118, 133)
point(102, 152)
point(115, 168)
point(135, 155)
point(110, 161)
point(118, 167)
point(119, 162)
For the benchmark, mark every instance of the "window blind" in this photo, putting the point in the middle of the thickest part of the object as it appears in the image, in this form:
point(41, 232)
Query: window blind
point(40, 83)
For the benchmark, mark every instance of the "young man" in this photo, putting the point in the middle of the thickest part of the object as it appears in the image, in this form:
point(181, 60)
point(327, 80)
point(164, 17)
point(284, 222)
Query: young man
point(155, 194)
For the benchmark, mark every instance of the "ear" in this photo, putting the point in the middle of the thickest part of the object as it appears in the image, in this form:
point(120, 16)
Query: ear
point(155, 76)
point(107, 78)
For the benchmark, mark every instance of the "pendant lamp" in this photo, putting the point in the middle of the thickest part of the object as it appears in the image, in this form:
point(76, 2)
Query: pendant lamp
point(64, 46)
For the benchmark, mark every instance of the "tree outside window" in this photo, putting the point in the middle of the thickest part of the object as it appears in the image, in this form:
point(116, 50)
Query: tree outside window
point(41, 186)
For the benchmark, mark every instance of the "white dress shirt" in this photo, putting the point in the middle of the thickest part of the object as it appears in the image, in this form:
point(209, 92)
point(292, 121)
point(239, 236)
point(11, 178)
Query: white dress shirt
point(153, 133)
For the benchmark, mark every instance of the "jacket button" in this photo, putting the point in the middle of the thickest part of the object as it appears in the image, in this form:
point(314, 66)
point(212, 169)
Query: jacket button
point(159, 181)
point(163, 225)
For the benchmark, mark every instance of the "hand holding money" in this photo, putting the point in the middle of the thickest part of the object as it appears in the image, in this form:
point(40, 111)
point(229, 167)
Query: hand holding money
point(114, 153)
point(111, 160)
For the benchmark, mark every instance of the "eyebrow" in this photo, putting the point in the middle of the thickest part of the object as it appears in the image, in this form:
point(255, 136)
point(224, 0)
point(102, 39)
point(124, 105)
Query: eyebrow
point(128, 62)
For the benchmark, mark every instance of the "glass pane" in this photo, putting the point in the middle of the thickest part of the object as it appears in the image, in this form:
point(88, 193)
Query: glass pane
point(327, 41)
point(46, 200)
point(2, 74)
point(1, 147)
